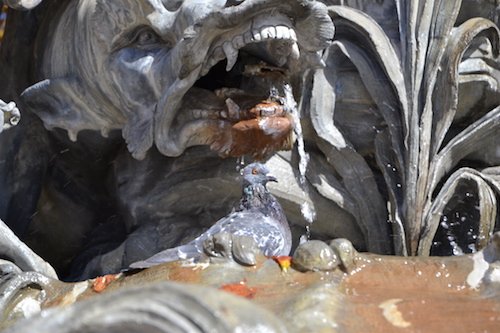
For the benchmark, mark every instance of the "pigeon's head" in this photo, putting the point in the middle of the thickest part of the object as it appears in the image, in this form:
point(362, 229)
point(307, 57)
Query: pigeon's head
point(256, 173)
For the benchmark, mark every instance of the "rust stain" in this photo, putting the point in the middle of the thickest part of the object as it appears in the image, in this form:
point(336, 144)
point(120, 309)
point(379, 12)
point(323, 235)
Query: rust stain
point(264, 128)
point(100, 283)
point(240, 289)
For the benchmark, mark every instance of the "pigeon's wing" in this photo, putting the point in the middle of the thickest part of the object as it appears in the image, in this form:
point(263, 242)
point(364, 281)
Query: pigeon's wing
point(190, 250)
point(263, 229)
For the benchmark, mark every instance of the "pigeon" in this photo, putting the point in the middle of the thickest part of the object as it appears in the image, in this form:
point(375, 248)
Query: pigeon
point(258, 216)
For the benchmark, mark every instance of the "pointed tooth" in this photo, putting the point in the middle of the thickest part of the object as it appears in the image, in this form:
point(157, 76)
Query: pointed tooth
point(238, 42)
point(233, 109)
point(282, 32)
point(256, 36)
point(272, 32)
point(248, 37)
point(315, 59)
point(105, 132)
point(218, 54)
point(231, 55)
point(293, 35)
point(268, 33)
point(223, 114)
point(72, 135)
point(295, 52)
point(281, 61)
point(205, 70)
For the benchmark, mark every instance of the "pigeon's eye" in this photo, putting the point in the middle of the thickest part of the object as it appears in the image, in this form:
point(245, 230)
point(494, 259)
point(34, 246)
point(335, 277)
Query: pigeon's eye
point(255, 171)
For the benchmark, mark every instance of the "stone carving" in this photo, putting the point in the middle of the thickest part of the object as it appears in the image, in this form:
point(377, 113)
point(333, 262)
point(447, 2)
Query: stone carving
point(9, 115)
point(173, 307)
point(391, 292)
point(426, 143)
point(146, 58)
point(22, 4)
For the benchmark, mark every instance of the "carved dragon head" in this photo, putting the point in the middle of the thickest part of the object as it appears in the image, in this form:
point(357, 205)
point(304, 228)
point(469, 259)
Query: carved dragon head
point(178, 73)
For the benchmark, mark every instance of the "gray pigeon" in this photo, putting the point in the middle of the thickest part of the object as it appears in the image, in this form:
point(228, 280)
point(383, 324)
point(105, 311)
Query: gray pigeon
point(259, 216)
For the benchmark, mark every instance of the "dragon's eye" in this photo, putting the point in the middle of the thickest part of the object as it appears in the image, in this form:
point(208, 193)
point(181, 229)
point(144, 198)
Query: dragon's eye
point(255, 171)
point(142, 37)
point(146, 37)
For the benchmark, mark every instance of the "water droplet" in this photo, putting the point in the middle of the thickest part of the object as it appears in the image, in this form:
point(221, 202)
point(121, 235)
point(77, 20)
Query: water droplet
point(457, 251)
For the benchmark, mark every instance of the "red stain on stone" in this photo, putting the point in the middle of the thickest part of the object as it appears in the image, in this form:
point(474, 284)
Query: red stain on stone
point(239, 289)
point(102, 282)
point(262, 129)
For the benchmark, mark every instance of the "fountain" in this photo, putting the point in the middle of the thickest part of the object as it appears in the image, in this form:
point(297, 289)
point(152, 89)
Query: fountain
point(133, 115)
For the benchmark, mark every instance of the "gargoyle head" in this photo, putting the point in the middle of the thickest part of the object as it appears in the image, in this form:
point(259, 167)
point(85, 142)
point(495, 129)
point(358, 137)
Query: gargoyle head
point(178, 73)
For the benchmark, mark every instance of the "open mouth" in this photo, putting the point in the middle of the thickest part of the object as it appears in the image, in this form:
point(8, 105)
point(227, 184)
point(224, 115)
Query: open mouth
point(237, 105)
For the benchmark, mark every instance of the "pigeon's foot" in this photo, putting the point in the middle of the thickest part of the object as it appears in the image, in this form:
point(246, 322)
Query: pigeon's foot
point(225, 246)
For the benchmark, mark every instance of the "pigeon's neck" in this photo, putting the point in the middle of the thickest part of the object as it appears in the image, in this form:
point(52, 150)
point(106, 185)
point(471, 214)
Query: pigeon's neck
point(257, 197)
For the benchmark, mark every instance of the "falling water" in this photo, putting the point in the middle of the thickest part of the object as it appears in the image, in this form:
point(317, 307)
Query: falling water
point(240, 164)
point(307, 209)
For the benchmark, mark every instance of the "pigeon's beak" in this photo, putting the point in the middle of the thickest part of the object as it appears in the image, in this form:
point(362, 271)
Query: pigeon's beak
point(272, 179)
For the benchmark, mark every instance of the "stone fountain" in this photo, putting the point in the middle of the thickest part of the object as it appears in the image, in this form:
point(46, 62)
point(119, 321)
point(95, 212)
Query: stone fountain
point(125, 123)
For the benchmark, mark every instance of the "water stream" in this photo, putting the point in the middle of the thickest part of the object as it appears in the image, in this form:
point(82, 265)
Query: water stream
point(307, 207)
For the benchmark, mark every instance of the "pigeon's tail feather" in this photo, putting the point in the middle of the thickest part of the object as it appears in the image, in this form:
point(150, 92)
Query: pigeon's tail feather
point(177, 253)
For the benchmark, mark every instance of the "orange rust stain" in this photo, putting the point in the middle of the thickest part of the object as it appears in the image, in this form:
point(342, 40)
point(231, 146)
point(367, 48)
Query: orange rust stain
point(239, 289)
point(247, 137)
point(262, 129)
point(100, 283)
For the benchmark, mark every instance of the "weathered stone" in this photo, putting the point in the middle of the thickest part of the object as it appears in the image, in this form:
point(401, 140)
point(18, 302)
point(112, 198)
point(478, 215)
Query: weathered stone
point(314, 255)
point(381, 294)
point(345, 252)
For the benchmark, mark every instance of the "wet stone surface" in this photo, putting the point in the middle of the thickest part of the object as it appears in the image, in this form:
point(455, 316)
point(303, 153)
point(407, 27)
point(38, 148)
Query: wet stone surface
point(380, 294)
